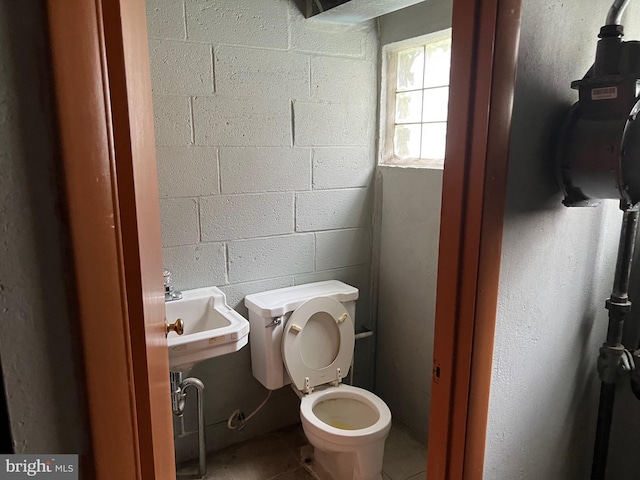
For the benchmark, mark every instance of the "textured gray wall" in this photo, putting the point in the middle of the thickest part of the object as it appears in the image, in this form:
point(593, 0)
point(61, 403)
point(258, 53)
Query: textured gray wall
point(557, 265)
point(38, 341)
point(410, 226)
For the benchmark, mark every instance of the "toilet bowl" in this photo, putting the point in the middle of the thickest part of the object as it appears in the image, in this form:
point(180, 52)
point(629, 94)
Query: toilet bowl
point(348, 427)
point(305, 335)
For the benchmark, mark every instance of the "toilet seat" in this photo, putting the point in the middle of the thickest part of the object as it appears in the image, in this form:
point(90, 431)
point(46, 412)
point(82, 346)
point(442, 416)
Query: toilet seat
point(317, 343)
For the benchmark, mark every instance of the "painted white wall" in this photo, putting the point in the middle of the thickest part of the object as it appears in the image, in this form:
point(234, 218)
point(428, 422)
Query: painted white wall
point(409, 231)
point(265, 129)
point(39, 353)
point(557, 265)
point(409, 227)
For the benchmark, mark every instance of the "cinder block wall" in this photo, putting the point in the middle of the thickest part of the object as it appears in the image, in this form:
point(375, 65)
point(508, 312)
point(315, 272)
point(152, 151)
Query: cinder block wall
point(265, 132)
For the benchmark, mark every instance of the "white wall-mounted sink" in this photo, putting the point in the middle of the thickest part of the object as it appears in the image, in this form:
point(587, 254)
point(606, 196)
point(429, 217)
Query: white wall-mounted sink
point(211, 328)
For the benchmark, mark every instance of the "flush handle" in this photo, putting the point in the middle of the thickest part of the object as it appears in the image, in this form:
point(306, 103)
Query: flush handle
point(177, 326)
point(276, 321)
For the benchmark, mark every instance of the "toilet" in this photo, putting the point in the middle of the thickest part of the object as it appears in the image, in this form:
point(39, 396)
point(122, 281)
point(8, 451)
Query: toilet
point(304, 335)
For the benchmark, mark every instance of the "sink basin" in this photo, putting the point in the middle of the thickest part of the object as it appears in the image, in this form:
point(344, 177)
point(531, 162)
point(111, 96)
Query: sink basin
point(211, 328)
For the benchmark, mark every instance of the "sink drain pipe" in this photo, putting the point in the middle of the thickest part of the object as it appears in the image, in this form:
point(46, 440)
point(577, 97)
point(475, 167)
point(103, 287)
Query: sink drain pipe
point(614, 358)
point(178, 401)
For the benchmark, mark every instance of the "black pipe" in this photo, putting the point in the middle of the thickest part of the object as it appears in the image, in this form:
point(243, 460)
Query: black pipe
point(625, 254)
point(603, 429)
point(619, 304)
point(635, 381)
point(612, 350)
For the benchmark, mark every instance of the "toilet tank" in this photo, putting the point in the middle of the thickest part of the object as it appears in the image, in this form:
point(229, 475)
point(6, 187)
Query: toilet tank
point(265, 337)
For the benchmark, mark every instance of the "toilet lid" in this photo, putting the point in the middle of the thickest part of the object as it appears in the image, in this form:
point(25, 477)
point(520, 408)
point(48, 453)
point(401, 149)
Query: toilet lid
point(318, 340)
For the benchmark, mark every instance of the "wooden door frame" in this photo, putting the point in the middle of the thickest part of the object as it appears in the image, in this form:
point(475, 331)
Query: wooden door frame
point(101, 69)
point(485, 37)
point(102, 79)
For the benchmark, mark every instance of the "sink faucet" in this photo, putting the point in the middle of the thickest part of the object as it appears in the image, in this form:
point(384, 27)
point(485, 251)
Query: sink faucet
point(169, 292)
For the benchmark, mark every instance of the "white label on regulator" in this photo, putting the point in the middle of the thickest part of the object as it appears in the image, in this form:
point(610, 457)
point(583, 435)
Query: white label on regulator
point(604, 93)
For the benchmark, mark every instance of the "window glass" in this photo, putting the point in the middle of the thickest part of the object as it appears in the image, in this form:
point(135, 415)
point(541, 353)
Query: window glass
point(436, 103)
point(418, 102)
point(409, 107)
point(438, 63)
point(434, 139)
point(410, 69)
point(407, 141)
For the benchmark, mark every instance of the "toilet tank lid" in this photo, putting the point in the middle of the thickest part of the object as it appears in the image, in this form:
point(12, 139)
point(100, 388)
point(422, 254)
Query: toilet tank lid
point(276, 303)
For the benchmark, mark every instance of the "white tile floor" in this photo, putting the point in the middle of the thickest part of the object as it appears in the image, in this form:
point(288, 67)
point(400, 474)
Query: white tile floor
point(276, 456)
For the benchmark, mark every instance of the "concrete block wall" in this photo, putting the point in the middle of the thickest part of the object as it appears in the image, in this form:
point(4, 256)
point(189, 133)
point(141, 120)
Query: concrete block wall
point(265, 132)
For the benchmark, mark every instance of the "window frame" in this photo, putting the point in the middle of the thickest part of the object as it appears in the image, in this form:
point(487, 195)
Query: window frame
point(388, 91)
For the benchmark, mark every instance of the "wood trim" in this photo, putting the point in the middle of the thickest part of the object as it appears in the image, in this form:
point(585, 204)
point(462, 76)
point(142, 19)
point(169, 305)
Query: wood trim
point(89, 168)
point(125, 27)
point(473, 215)
point(103, 87)
point(451, 232)
point(483, 81)
point(497, 160)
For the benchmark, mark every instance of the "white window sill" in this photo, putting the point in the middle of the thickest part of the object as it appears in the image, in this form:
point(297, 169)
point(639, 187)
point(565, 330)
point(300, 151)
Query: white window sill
point(413, 163)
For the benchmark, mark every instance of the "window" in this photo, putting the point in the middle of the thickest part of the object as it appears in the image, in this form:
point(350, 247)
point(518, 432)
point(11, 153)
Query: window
point(414, 122)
